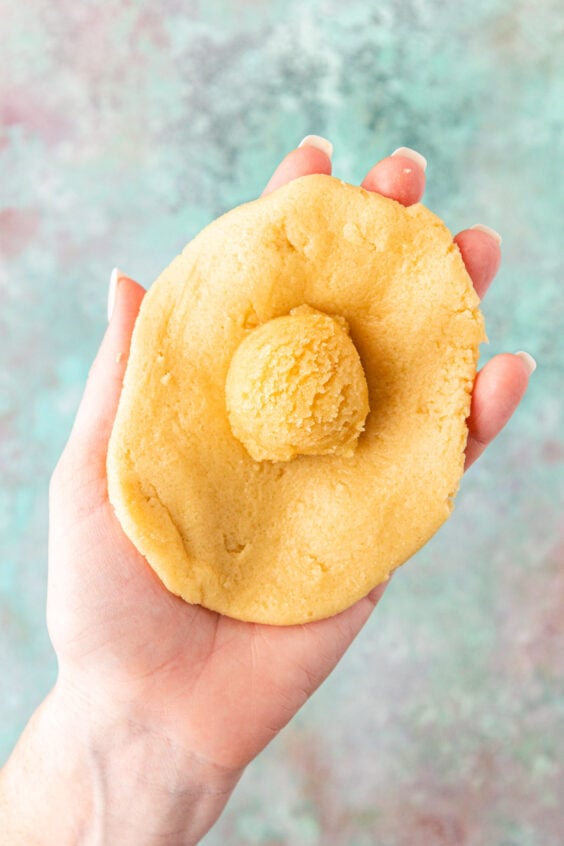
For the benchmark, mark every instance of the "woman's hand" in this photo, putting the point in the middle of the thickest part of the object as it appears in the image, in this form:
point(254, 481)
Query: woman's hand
point(160, 705)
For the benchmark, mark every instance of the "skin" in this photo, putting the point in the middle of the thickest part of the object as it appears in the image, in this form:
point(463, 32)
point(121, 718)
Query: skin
point(159, 705)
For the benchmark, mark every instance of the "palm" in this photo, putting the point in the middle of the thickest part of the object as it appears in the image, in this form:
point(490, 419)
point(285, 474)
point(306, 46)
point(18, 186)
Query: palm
point(224, 686)
point(124, 632)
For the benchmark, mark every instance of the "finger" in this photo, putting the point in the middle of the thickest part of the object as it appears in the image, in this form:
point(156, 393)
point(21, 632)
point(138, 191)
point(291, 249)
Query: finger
point(99, 403)
point(481, 254)
point(313, 155)
point(498, 389)
point(400, 176)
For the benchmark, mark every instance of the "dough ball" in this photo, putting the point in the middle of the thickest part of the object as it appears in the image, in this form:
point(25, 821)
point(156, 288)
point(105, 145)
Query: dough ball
point(296, 386)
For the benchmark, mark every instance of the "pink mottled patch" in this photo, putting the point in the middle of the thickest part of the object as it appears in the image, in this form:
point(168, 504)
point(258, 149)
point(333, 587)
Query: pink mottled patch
point(439, 830)
point(24, 107)
point(552, 452)
point(150, 25)
point(422, 810)
point(532, 642)
point(17, 228)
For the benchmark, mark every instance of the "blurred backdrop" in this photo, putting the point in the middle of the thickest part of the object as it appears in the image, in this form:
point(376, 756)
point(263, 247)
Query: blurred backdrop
point(126, 127)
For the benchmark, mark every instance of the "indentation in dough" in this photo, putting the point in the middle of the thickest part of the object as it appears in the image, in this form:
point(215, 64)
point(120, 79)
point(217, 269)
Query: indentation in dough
point(232, 545)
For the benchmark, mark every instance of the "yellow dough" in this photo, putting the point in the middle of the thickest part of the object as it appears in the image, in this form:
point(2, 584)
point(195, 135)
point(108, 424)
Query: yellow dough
point(296, 386)
point(292, 421)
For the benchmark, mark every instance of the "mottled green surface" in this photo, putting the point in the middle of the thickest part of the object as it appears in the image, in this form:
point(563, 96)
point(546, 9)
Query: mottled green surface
point(125, 127)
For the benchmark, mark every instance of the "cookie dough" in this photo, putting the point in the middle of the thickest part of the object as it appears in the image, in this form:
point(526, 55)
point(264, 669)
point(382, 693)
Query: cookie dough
point(292, 421)
point(296, 386)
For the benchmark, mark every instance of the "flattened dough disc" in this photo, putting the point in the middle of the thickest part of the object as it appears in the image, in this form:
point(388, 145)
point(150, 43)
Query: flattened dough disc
point(290, 541)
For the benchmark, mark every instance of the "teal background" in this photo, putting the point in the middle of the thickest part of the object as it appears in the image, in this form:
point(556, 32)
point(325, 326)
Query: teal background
point(127, 126)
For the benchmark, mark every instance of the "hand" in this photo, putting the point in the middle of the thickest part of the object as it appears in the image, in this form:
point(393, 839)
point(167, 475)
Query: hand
point(169, 700)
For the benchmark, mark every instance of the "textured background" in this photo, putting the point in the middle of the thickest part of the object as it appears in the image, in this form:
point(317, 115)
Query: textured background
point(127, 126)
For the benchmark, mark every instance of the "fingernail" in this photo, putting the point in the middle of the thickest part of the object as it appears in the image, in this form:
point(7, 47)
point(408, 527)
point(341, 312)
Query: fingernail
point(112, 291)
point(528, 360)
point(319, 142)
point(413, 155)
point(481, 227)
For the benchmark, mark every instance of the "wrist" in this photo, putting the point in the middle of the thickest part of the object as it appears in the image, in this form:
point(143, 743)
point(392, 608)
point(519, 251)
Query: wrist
point(83, 776)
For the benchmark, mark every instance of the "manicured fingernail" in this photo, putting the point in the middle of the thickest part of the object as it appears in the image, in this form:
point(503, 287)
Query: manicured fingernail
point(528, 360)
point(481, 227)
point(319, 142)
point(112, 291)
point(413, 155)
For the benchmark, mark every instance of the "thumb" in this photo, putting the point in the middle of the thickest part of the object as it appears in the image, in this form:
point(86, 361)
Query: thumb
point(97, 410)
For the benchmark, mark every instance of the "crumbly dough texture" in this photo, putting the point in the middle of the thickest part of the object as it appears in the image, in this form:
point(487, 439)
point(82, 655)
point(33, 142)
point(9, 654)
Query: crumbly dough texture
point(291, 541)
point(296, 386)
